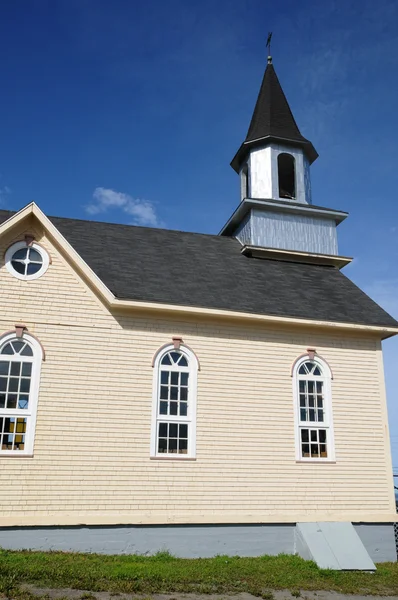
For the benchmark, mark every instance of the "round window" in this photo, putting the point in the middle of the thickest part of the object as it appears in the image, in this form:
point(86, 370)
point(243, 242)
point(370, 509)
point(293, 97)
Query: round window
point(26, 262)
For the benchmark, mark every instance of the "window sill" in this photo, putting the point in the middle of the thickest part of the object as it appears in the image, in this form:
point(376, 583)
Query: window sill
point(14, 454)
point(179, 458)
point(318, 461)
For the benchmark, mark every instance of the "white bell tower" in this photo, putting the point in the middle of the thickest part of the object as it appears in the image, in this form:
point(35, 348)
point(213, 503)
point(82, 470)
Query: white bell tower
point(276, 211)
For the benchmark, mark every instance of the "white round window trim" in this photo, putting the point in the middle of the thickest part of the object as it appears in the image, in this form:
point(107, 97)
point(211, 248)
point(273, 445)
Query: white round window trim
point(26, 262)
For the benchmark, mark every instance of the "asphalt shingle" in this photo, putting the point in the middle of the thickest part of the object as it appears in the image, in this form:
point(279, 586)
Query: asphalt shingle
point(209, 271)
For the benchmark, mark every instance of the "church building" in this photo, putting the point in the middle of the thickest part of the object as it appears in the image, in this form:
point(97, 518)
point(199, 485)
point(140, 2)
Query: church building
point(201, 394)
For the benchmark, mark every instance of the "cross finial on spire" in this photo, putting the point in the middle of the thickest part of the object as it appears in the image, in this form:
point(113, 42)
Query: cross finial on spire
point(268, 44)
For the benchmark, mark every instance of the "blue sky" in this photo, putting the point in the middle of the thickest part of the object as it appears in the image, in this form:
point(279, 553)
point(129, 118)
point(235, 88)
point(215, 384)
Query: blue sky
point(131, 112)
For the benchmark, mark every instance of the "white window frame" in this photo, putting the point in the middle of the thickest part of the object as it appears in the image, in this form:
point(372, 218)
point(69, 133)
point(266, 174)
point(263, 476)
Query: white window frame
point(190, 419)
point(31, 412)
point(327, 424)
point(18, 246)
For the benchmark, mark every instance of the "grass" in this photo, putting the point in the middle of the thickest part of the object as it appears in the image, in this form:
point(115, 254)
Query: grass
point(163, 573)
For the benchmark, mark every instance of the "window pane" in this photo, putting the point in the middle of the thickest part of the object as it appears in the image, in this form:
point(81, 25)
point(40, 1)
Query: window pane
point(174, 378)
point(162, 445)
point(15, 369)
point(3, 384)
point(183, 431)
point(314, 436)
point(183, 362)
point(174, 393)
point(173, 445)
point(2, 400)
point(184, 379)
point(314, 450)
point(163, 408)
point(311, 387)
point(302, 370)
point(323, 450)
point(23, 401)
point(322, 436)
point(17, 346)
point(311, 400)
point(166, 360)
point(26, 369)
point(27, 351)
point(164, 392)
point(173, 408)
point(162, 429)
point(13, 384)
point(12, 401)
point(319, 386)
point(312, 414)
point(19, 267)
point(183, 393)
point(164, 377)
point(303, 414)
point(320, 415)
point(302, 386)
point(175, 356)
point(7, 349)
point(317, 371)
point(34, 255)
point(173, 430)
point(306, 450)
point(20, 254)
point(4, 366)
point(33, 268)
point(304, 435)
point(183, 409)
point(183, 446)
point(6, 442)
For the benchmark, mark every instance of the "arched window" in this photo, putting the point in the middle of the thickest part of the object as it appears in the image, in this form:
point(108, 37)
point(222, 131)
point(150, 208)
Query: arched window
point(286, 176)
point(174, 403)
point(20, 362)
point(312, 393)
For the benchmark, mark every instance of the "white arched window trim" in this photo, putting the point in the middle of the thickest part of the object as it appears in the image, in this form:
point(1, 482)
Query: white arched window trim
point(190, 418)
point(327, 423)
point(31, 413)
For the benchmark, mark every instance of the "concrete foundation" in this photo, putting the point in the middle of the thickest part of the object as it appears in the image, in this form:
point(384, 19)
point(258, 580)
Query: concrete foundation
point(189, 541)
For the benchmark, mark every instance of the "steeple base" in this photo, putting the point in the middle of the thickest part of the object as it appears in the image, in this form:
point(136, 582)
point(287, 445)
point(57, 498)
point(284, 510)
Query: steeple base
point(285, 226)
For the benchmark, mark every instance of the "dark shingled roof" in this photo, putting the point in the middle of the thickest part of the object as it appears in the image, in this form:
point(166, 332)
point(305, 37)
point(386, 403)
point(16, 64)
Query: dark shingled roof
point(209, 271)
point(272, 119)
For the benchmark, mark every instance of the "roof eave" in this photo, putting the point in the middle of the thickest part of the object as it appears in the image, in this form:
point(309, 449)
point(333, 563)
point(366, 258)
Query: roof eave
point(315, 258)
point(282, 206)
point(247, 145)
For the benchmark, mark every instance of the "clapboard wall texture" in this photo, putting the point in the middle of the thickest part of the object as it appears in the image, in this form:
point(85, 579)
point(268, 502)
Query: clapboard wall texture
point(92, 462)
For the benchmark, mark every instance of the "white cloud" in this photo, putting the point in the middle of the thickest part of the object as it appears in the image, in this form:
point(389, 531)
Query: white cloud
point(142, 211)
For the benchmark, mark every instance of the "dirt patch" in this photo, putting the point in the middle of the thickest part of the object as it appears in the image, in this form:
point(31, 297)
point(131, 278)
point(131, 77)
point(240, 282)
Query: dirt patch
point(72, 594)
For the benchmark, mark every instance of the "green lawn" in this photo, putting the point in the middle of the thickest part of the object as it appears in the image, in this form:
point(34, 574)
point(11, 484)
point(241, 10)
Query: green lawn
point(164, 574)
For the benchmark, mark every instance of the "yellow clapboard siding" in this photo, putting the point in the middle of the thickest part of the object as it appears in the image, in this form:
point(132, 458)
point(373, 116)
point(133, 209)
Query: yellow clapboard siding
point(91, 460)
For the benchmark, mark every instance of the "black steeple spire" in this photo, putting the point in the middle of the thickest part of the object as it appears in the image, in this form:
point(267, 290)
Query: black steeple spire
point(272, 120)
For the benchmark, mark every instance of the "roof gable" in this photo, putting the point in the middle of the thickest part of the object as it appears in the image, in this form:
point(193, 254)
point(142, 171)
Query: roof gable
point(209, 272)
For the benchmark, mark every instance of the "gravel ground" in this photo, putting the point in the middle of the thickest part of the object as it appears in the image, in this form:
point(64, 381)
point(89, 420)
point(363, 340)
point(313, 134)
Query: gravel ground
point(70, 594)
